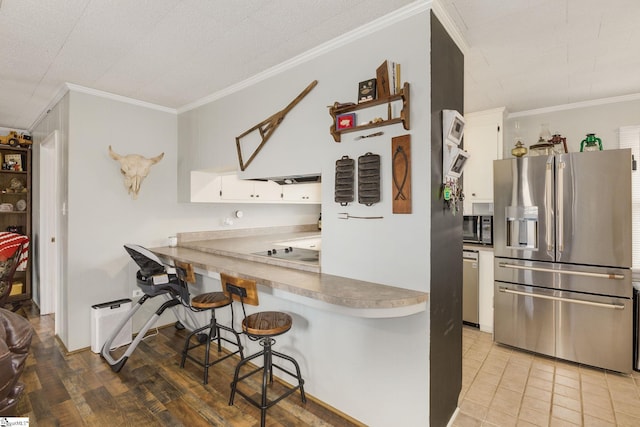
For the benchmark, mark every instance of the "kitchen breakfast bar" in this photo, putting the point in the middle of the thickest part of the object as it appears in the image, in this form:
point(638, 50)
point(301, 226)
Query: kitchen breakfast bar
point(297, 281)
point(350, 337)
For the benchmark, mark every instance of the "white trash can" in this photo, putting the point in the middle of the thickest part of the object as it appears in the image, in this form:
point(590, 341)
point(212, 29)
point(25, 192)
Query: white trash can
point(105, 318)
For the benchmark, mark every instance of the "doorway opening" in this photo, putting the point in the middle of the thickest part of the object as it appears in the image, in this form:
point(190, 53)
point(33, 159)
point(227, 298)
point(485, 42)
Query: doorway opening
point(49, 219)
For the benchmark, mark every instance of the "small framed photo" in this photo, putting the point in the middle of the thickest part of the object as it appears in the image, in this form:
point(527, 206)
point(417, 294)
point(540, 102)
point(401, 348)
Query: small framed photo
point(367, 90)
point(12, 162)
point(346, 121)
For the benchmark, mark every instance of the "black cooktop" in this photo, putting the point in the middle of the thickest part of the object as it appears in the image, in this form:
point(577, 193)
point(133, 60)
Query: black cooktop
point(291, 254)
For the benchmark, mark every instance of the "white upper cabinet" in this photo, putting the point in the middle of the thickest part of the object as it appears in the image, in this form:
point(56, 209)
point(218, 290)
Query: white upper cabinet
point(233, 188)
point(302, 193)
point(212, 187)
point(205, 187)
point(483, 140)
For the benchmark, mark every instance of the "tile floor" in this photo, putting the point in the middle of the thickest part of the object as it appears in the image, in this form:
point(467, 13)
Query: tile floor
point(502, 386)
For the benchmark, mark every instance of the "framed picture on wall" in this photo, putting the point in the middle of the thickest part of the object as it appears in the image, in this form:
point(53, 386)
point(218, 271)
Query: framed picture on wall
point(367, 90)
point(345, 121)
point(12, 162)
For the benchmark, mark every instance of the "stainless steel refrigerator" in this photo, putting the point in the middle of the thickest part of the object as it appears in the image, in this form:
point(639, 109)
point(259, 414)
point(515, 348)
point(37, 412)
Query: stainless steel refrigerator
point(562, 244)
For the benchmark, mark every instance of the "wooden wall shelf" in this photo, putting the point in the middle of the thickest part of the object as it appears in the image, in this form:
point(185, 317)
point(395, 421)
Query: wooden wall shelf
point(404, 113)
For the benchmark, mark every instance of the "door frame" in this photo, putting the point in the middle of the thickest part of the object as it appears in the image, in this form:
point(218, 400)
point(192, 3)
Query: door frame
point(49, 220)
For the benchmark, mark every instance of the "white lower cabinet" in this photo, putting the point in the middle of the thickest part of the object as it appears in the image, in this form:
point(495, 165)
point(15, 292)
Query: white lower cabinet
point(485, 292)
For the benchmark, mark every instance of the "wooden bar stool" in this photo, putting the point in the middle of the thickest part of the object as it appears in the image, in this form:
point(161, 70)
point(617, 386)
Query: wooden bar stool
point(210, 301)
point(262, 327)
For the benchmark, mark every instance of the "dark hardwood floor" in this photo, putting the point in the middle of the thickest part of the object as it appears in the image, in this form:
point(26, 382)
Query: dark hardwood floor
point(151, 390)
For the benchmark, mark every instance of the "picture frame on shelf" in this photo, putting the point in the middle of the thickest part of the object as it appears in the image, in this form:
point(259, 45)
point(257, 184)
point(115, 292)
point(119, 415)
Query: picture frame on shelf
point(345, 121)
point(367, 90)
point(382, 75)
point(12, 162)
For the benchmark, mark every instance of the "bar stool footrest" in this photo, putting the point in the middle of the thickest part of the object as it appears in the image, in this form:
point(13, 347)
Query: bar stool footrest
point(213, 336)
point(210, 364)
point(287, 393)
point(290, 387)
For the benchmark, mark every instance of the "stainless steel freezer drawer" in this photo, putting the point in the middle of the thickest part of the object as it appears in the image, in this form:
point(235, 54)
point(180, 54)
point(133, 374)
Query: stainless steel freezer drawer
point(585, 328)
point(595, 330)
point(523, 321)
point(579, 278)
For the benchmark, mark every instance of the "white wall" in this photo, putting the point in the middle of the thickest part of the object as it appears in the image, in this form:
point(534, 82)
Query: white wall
point(351, 363)
point(303, 145)
point(601, 117)
point(392, 250)
point(374, 370)
point(102, 217)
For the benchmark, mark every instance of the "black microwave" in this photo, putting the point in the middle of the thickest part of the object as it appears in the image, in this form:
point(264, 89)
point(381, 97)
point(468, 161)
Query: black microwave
point(477, 229)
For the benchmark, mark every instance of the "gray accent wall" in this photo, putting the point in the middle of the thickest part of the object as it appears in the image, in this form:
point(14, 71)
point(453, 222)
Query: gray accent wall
point(447, 89)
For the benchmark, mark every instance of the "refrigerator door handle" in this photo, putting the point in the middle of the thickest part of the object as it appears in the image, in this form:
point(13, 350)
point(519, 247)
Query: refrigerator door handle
point(560, 204)
point(571, 300)
point(611, 276)
point(548, 201)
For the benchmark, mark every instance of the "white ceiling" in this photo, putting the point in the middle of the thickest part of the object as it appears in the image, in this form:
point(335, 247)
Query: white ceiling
point(522, 54)
point(529, 54)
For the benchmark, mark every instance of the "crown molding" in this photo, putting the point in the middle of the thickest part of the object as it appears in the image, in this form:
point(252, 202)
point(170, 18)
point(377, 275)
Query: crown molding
point(108, 95)
point(450, 26)
point(399, 15)
point(60, 93)
point(71, 87)
point(574, 105)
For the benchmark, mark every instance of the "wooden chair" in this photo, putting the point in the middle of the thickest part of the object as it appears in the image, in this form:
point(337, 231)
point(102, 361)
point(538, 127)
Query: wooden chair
point(262, 327)
point(209, 301)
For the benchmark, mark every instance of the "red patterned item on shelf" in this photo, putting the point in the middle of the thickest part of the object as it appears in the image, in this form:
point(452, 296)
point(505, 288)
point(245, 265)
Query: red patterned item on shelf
point(9, 242)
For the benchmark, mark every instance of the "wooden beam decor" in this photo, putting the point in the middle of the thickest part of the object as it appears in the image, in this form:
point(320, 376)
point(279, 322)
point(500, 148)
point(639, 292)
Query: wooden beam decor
point(268, 126)
point(401, 173)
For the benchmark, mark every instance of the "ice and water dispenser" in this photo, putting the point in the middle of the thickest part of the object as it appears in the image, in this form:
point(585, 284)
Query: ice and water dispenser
point(522, 227)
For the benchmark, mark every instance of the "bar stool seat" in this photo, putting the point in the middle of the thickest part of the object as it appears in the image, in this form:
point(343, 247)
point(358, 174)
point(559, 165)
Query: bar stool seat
point(210, 301)
point(267, 323)
point(262, 327)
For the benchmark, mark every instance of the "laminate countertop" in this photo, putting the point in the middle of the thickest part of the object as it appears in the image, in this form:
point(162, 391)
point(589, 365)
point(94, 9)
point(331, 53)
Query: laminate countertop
point(233, 255)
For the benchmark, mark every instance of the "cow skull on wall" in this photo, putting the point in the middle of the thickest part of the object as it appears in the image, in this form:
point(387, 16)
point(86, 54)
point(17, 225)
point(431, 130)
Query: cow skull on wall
point(135, 168)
